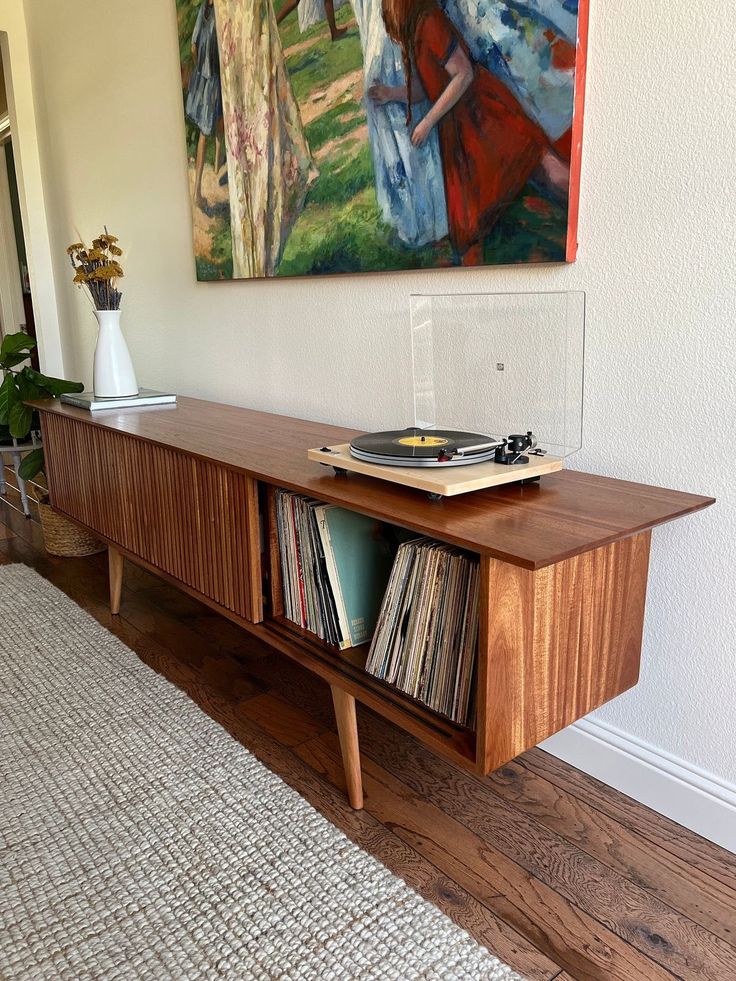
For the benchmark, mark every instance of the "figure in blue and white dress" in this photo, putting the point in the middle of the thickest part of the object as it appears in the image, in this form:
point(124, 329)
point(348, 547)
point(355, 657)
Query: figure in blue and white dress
point(409, 182)
point(204, 95)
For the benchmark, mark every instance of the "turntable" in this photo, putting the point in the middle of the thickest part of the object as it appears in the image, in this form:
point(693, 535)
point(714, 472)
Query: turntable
point(479, 362)
point(440, 462)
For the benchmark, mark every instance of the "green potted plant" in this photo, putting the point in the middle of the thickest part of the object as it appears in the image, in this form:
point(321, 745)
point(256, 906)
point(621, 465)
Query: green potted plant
point(19, 425)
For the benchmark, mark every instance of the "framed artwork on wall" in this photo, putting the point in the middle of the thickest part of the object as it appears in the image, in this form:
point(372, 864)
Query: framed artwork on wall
point(344, 136)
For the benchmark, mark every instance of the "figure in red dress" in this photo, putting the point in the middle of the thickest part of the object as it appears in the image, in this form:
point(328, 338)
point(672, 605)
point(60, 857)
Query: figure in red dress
point(489, 146)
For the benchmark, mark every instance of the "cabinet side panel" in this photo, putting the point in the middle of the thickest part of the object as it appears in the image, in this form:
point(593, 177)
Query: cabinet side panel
point(588, 630)
point(186, 516)
point(561, 642)
point(505, 652)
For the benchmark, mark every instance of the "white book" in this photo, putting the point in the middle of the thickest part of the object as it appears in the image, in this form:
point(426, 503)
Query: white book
point(145, 396)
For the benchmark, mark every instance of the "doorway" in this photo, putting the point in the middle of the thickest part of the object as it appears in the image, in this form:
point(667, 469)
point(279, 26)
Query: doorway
point(16, 301)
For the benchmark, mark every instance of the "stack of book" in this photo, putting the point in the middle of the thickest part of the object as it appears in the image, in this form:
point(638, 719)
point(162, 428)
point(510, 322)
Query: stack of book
point(426, 638)
point(145, 396)
point(335, 565)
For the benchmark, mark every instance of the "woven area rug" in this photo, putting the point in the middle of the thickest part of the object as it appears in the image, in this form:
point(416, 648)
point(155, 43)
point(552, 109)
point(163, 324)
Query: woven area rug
point(139, 840)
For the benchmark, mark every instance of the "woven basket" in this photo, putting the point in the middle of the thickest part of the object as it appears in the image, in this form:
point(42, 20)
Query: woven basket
point(63, 537)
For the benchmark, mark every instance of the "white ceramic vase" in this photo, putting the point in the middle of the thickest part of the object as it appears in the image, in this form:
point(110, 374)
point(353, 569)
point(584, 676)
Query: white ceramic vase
point(113, 375)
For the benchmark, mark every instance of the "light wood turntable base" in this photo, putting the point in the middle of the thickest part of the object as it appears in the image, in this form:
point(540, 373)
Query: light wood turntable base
point(444, 481)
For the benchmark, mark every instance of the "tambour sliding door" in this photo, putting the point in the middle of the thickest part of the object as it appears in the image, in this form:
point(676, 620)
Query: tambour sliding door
point(194, 519)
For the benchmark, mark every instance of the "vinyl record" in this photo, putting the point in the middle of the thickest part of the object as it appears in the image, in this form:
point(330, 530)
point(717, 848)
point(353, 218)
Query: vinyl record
point(414, 447)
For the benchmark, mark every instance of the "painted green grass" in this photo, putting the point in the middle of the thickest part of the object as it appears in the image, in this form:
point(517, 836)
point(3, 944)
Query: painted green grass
point(351, 239)
point(222, 250)
point(343, 176)
point(289, 28)
point(324, 61)
point(532, 229)
point(340, 228)
point(335, 123)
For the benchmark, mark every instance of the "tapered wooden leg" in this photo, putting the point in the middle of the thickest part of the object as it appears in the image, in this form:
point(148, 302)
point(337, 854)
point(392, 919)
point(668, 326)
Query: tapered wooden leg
point(115, 561)
point(347, 729)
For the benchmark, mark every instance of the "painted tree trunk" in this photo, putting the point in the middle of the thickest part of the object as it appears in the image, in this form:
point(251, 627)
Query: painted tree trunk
point(268, 158)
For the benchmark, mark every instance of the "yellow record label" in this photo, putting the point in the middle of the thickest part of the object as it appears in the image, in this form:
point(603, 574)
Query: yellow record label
point(422, 441)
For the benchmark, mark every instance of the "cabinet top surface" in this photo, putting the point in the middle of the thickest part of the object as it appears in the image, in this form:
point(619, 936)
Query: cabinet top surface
point(532, 525)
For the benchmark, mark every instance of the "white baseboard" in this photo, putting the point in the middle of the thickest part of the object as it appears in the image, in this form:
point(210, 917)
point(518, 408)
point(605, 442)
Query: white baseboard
point(683, 792)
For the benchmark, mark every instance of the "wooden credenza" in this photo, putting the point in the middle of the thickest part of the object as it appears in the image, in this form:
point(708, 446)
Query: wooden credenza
point(187, 492)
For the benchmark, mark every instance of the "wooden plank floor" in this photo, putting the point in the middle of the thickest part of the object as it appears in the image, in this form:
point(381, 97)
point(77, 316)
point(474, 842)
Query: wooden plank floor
point(558, 874)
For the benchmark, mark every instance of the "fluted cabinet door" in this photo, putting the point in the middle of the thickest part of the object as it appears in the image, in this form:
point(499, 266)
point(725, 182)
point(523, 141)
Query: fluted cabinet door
point(193, 519)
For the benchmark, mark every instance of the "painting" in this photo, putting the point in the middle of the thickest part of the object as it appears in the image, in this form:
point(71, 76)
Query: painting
point(347, 136)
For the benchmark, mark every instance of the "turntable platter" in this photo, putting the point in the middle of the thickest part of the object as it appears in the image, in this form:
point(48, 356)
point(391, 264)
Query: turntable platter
point(415, 447)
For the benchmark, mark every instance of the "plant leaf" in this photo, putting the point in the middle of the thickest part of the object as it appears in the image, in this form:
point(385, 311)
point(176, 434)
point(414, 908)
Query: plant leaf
point(15, 343)
point(11, 360)
point(51, 387)
point(19, 420)
point(27, 387)
point(8, 398)
point(31, 464)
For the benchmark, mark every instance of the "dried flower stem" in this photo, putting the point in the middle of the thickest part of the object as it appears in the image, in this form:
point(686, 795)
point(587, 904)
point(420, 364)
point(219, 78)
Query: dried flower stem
point(97, 270)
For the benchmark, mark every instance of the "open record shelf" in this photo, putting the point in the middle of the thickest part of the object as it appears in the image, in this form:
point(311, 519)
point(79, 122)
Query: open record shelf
point(452, 741)
point(563, 571)
point(347, 667)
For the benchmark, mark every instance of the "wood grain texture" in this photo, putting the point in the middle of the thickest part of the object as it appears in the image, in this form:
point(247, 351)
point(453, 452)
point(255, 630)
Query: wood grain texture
point(115, 565)
point(5, 533)
point(583, 908)
point(253, 550)
point(556, 643)
point(556, 640)
point(593, 944)
point(678, 882)
point(286, 722)
point(643, 921)
point(188, 517)
point(441, 735)
point(487, 874)
point(347, 728)
point(532, 525)
point(667, 838)
point(447, 481)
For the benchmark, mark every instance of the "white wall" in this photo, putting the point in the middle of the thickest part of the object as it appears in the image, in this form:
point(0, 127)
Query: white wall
point(23, 127)
point(656, 259)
